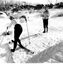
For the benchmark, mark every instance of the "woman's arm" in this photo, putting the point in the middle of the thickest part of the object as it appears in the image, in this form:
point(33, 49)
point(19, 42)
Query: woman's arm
point(10, 24)
point(13, 22)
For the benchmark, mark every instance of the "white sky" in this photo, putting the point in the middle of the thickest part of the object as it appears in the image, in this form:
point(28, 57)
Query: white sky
point(38, 1)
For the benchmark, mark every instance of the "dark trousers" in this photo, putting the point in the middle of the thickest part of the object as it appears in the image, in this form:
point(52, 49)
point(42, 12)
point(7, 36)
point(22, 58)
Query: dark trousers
point(45, 24)
point(17, 32)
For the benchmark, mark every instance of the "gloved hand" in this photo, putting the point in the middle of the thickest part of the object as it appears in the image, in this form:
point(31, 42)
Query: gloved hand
point(6, 33)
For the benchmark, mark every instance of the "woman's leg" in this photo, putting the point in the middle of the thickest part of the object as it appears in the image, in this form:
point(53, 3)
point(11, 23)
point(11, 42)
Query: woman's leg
point(25, 48)
point(44, 25)
point(47, 25)
point(14, 47)
point(21, 45)
point(15, 41)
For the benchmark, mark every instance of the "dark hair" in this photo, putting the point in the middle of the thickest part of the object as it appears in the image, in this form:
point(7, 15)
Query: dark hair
point(23, 17)
point(11, 18)
point(46, 10)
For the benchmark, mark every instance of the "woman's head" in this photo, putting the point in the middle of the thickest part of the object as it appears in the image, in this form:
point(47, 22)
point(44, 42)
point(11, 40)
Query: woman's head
point(45, 7)
point(23, 18)
point(11, 18)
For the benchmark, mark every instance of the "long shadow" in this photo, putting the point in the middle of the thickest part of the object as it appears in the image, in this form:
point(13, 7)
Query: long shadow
point(34, 35)
point(46, 54)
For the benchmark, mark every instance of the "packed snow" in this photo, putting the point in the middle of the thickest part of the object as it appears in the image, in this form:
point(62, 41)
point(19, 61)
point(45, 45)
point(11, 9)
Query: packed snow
point(39, 41)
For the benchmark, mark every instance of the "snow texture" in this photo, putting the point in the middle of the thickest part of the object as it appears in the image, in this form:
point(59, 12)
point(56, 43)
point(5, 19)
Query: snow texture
point(46, 46)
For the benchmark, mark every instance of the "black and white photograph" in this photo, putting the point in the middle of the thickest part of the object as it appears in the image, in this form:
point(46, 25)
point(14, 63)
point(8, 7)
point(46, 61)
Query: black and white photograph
point(31, 31)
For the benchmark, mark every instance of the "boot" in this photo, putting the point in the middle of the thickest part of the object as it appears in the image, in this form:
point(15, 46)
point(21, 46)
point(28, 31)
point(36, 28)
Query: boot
point(44, 31)
point(12, 50)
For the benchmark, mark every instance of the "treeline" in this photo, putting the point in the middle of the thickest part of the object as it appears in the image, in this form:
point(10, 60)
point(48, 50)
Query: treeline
point(20, 6)
point(59, 5)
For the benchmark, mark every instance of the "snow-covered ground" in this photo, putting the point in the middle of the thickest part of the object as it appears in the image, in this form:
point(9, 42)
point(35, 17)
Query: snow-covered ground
point(38, 41)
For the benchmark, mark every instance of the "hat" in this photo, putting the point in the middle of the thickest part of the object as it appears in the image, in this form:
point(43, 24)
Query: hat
point(23, 17)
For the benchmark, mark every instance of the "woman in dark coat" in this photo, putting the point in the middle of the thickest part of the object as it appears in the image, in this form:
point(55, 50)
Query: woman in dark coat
point(17, 32)
point(45, 19)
